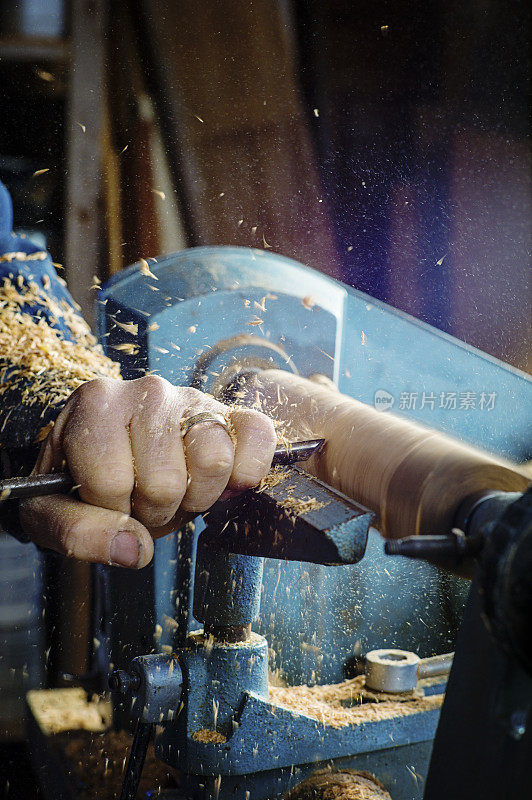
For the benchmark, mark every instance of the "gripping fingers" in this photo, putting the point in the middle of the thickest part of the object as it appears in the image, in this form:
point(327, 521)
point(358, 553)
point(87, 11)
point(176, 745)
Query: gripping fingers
point(157, 446)
point(86, 532)
point(92, 437)
point(209, 454)
point(256, 441)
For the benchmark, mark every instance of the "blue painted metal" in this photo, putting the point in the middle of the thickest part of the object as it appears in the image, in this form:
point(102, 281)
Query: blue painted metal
point(227, 588)
point(269, 736)
point(205, 295)
point(217, 677)
point(226, 691)
point(257, 524)
point(400, 769)
point(6, 210)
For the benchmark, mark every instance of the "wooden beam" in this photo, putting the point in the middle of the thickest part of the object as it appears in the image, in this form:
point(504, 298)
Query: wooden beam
point(84, 132)
point(33, 50)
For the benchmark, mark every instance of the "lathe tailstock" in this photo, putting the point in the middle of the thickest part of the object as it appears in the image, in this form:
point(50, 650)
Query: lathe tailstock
point(204, 316)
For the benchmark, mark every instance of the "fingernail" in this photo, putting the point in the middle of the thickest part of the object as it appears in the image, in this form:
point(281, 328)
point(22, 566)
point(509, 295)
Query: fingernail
point(125, 549)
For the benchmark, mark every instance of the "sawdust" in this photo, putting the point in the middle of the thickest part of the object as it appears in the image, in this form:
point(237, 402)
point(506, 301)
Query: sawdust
point(346, 784)
point(296, 506)
point(95, 764)
point(59, 710)
point(21, 256)
point(274, 477)
point(209, 737)
point(350, 703)
point(93, 757)
point(39, 363)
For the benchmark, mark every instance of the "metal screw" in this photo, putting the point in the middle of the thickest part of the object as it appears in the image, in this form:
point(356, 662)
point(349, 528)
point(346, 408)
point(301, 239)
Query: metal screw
point(123, 682)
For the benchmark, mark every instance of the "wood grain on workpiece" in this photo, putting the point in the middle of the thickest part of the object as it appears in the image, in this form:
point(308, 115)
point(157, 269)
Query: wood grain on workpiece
point(413, 477)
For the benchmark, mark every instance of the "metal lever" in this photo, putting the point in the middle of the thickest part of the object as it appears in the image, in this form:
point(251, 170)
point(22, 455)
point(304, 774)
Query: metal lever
point(394, 671)
point(154, 685)
point(135, 762)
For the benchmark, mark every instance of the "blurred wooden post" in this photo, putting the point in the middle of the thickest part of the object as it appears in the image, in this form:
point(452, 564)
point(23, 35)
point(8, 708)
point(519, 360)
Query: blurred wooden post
point(84, 132)
point(225, 84)
point(83, 250)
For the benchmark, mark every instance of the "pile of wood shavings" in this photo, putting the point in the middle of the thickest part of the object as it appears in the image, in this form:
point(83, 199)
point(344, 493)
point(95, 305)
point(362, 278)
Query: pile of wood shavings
point(59, 710)
point(295, 506)
point(345, 784)
point(40, 364)
point(209, 737)
point(350, 703)
point(96, 764)
point(274, 477)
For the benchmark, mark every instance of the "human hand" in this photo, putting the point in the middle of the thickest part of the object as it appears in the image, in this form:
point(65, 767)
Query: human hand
point(134, 471)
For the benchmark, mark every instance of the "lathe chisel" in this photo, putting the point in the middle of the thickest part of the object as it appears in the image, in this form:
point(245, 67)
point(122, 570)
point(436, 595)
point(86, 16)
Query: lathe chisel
point(56, 482)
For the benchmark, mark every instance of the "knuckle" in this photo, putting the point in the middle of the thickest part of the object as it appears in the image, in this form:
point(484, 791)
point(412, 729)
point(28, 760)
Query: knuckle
point(155, 387)
point(89, 402)
point(192, 401)
point(257, 426)
point(266, 429)
point(115, 483)
point(70, 539)
point(163, 489)
point(213, 463)
point(194, 395)
point(93, 393)
point(247, 476)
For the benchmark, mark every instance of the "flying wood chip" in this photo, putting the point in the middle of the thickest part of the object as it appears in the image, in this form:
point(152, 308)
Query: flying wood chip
point(145, 269)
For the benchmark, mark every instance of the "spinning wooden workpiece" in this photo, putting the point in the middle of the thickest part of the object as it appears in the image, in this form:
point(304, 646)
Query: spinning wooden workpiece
point(414, 478)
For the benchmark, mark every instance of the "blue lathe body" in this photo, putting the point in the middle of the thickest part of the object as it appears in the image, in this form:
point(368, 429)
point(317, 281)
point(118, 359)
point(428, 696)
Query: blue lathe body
point(199, 313)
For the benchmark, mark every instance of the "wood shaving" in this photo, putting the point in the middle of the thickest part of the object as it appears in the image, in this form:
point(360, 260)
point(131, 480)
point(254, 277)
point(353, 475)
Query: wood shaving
point(44, 75)
point(350, 703)
point(308, 302)
point(43, 432)
point(127, 347)
point(145, 269)
point(255, 321)
point(273, 478)
point(129, 327)
point(21, 256)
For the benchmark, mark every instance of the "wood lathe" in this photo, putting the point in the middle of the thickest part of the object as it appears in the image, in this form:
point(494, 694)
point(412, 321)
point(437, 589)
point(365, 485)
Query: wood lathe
point(254, 328)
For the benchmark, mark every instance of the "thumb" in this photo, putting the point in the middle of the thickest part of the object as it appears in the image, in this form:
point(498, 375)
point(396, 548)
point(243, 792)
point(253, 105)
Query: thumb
point(86, 532)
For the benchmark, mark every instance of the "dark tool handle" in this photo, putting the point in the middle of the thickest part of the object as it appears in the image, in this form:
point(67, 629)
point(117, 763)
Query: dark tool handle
point(53, 483)
point(135, 762)
point(35, 486)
